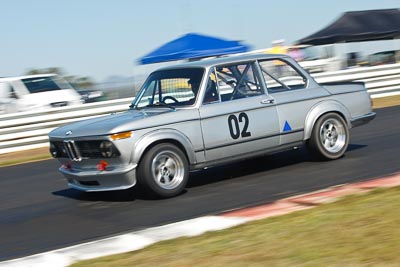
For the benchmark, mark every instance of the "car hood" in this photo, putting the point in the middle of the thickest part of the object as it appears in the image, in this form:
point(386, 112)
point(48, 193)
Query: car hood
point(113, 123)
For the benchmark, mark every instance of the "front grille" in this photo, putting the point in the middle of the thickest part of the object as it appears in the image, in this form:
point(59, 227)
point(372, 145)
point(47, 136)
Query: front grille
point(78, 150)
point(72, 150)
point(89, 149)
point(59, 104)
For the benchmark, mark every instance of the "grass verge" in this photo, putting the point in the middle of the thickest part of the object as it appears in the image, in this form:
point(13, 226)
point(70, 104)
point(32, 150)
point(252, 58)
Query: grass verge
point(355, 231)
point(24, 156)
point(384, 102)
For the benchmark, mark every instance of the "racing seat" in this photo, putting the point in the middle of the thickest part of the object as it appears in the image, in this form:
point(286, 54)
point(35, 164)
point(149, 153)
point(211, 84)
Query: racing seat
point(211, 94)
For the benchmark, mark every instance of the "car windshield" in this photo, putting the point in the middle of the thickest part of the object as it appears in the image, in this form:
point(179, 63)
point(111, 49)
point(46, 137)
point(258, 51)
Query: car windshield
point(44, 84)
point(170, 88)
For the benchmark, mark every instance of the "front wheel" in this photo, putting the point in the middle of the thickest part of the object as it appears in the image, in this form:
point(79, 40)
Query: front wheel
point(163, 171)
point(329, 137)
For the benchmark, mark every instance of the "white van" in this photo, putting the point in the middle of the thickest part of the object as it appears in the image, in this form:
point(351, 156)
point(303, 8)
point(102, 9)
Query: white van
point(36, 92)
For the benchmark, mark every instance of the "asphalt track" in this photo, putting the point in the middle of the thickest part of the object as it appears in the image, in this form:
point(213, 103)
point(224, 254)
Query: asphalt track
point(39, 213)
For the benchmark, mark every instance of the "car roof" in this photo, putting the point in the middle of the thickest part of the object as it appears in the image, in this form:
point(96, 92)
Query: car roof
point(26, 77)
point(222, 60)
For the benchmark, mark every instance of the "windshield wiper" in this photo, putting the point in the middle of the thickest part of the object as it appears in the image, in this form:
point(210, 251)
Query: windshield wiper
point(159, 104)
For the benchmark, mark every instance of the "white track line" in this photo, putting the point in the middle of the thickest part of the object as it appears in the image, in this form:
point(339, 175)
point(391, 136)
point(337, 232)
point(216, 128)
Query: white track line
point(126, 242)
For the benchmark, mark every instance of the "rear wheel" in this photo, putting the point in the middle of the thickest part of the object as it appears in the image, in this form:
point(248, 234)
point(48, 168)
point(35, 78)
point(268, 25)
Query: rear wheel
point(329, 137)
point(163, 171)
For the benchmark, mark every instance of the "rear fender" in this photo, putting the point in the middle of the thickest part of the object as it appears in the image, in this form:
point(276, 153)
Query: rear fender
point(321, 108)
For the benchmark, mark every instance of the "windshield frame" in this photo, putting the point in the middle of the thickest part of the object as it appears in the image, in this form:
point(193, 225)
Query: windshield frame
point(164, 74)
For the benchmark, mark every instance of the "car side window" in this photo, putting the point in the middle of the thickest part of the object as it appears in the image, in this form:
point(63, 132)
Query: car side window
point(280, 76)
point(237, 81)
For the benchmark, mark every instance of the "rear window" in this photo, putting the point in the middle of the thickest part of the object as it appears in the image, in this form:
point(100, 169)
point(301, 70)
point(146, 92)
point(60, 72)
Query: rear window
point(44, 84)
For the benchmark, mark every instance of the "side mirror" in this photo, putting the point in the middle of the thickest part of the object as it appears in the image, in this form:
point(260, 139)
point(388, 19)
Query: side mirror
point(13, 95)
point(7, 91)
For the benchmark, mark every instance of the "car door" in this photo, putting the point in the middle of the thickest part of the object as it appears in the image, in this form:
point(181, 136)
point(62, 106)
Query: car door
point(242, 120)
point(294, 94)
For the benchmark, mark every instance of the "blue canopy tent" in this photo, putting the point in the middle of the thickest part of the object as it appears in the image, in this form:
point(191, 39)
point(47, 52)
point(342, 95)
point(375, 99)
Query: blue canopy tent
point(192, 46)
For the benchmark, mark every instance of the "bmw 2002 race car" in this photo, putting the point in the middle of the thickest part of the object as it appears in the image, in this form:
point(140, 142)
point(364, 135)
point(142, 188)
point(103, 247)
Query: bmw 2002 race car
point(205, 113)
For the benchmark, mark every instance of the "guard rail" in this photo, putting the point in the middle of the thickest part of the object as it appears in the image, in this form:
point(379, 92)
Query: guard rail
point(28, 130)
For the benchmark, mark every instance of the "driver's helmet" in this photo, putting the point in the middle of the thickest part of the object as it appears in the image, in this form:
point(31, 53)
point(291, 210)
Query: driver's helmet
point(195, 84)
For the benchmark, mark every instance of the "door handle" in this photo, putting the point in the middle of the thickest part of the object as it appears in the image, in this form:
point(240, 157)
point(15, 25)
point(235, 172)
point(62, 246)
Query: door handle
point(267, 101)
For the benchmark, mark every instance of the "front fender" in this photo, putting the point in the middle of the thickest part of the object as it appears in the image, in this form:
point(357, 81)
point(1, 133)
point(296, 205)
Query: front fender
point(321, 108)
point(163, 135)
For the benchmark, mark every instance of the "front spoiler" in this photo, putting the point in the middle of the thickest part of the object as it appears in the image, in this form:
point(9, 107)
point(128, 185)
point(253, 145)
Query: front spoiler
point(94, 181)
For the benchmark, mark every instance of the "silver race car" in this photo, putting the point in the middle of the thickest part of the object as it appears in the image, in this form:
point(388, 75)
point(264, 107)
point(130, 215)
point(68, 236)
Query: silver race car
point(205, 113)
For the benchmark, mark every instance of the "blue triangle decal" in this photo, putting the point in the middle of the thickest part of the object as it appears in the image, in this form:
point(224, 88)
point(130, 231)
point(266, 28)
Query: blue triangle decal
point(287, 127)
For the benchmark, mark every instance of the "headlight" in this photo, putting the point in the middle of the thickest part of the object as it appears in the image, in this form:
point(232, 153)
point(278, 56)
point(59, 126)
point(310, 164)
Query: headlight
point(57, 149)
point(106, 149)
point(53, 150)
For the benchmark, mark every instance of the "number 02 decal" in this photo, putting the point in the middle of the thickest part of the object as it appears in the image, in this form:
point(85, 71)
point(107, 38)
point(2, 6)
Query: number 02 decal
point(234, 129)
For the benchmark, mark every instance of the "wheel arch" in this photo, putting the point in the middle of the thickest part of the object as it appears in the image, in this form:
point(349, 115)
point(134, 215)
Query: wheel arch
point(321, 108)
point(156, 137)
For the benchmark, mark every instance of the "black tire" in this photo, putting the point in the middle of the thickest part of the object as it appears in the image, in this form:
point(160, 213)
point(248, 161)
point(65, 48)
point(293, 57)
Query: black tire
point(329, 138)
point(163, 171)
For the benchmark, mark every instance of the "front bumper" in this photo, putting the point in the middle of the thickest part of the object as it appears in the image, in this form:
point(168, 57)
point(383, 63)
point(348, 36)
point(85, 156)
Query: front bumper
point(94, 180)
point(364, 119)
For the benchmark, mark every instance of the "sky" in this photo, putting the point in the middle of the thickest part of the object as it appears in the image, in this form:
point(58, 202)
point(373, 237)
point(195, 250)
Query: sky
point(100, 39)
